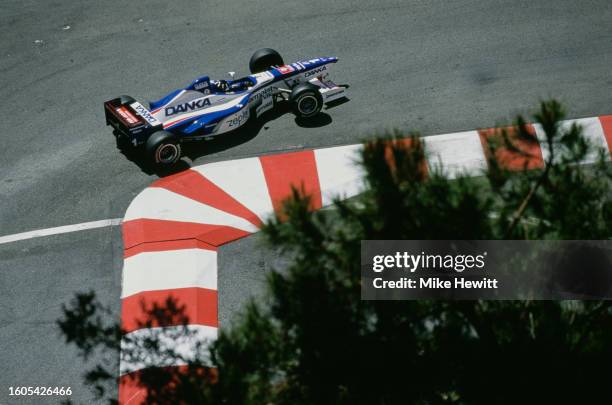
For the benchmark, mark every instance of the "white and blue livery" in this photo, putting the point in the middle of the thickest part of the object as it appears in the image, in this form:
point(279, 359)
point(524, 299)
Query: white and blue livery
point(208, 108)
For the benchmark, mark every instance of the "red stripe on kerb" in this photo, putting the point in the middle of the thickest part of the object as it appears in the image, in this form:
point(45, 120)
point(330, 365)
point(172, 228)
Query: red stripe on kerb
point(193, 185)
point(132, 391)
point(145, 230)
point(408, 143)
point(509, 159)
point(149, 309)
point(298, 169)
point(167, 245)
point(606, 125)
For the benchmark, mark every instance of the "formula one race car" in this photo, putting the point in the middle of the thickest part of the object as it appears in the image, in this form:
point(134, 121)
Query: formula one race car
point(208, 108)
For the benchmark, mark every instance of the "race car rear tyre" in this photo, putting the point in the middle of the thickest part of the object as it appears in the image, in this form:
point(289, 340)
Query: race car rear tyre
point(263, 59)
point(163, 148)
point(306, 100)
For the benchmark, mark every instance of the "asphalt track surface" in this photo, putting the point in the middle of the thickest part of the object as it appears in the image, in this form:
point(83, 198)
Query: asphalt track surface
point(436, 66)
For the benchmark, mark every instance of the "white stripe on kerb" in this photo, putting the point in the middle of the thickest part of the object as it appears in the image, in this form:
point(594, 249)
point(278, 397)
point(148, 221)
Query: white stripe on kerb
point(59, 230)
point(182, 268)
point(244, 180)
point(458, 153)
point(591, 130)
point(182, 341)
point(541, 136)
point(339, 171)
point(163, 204)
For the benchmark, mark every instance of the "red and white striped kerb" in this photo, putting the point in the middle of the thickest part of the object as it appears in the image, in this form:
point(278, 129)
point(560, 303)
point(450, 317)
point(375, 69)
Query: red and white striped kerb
point(173, 228)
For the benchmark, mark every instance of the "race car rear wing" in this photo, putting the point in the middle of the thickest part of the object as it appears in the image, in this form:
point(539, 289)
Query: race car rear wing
point(130, 119)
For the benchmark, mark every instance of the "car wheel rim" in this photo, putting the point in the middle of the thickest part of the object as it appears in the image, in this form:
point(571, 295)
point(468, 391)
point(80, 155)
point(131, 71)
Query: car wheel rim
point(167, 153)
point(308, 105)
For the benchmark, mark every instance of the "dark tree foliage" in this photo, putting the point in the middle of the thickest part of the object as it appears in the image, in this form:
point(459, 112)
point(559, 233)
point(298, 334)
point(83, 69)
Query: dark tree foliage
point(315, 342)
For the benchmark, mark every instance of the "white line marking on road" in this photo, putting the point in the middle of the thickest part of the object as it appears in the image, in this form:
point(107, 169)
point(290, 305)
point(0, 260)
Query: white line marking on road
point(60, 229)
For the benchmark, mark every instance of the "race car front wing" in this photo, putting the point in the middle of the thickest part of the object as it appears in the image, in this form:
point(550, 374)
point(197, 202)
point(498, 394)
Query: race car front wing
point(329, 90)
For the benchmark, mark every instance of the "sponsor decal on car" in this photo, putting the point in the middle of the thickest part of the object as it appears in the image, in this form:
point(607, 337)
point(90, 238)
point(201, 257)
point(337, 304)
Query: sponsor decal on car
point(238, 119)
point(315, 71)
point(144, 113)
point(264, 94)
point(189, 106)
point(285, 69)
point(127, 115)
point(200, 85)
point(311, 61)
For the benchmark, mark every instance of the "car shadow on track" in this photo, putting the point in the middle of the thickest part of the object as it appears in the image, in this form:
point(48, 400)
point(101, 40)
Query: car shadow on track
point(197, 149)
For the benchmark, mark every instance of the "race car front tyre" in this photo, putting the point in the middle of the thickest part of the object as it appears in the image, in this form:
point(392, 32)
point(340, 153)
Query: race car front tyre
point(163, 148)
point(264, 59)
point(306, 100)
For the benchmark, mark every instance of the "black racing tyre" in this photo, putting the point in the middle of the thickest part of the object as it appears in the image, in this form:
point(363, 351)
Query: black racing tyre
point(263, 59)
point(306, 100)
point(126, 100)
point(163, 148)
point(123, 143)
